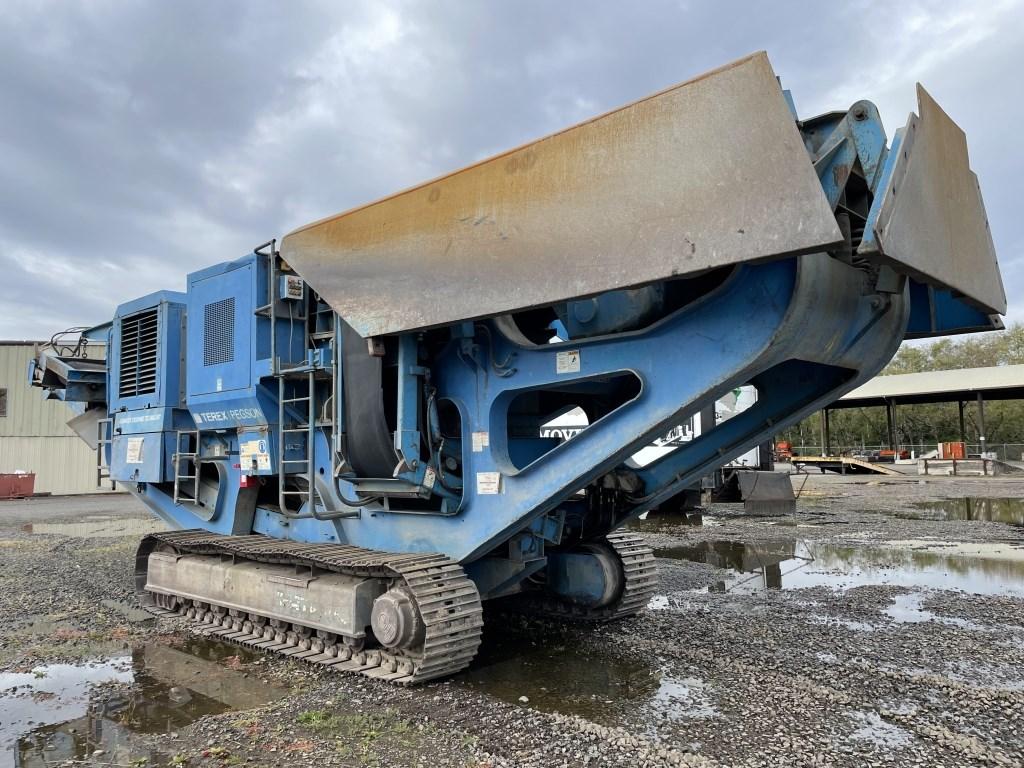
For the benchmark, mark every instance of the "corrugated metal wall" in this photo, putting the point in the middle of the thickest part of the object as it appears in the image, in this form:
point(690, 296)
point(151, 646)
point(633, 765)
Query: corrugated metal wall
point(34, 435)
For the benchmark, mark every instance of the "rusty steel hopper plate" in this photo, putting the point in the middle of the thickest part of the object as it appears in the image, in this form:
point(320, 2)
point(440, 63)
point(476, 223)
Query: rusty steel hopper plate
point(705, 174)
point(932, 223)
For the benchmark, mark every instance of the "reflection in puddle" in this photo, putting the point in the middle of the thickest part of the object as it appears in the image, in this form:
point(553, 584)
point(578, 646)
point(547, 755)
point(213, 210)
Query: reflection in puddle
point(907, 609)
point(1002, 510)
point(795, 564)
point(765, 560)
point(559, 676)
point(555, 677)
point(649, 521)
point(98, 528)
point(56, 712)
point(681, 698)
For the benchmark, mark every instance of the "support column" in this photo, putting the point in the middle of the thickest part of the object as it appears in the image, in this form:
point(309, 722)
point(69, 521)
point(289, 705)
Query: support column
point(981, 422)
point(826, 438)
point(963, 428)
point(890, 423)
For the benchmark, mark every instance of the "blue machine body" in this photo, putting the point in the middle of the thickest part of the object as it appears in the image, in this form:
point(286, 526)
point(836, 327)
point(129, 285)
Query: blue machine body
point(229, 408)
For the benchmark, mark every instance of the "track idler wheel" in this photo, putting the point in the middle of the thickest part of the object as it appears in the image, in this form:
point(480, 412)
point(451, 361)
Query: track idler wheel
point(395, 620)
point(597, 581)
point(590, 575)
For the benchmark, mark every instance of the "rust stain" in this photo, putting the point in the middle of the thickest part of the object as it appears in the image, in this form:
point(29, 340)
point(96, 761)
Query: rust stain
point(599, 206)
point(652, 97)
point(840, 172)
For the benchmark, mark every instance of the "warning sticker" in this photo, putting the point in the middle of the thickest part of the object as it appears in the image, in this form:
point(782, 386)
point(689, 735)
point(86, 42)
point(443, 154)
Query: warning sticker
point(567, 361)
point(133, 453)
point(488, 483)
point(254, 453)
point(429, 477)
point(480, 441)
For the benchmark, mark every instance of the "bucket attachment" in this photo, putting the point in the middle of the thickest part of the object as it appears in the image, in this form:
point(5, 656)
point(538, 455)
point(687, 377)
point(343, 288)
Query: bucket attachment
point(706, 174)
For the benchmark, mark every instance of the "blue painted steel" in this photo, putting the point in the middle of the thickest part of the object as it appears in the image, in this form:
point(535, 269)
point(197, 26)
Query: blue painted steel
point(145, 416)
point(865, 127)
point(812, 308)
point(856, 138)
point(170, 313)
point(234, 391)
point(407, 436)
point(936, 311)
point(869, 242)
point(610, 312)
point(493, 493)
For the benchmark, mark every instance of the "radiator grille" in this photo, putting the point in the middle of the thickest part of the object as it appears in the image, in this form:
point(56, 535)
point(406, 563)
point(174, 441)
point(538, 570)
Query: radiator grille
point(219, 332)
point(138, 354)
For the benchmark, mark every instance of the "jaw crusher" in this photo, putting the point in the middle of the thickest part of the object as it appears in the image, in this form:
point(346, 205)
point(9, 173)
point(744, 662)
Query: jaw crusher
point(343, 433)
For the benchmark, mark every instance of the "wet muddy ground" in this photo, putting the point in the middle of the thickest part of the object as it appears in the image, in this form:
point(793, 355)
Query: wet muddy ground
point(883, 624)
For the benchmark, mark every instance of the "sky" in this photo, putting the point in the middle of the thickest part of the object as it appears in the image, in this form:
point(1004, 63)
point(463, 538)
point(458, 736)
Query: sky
point(141, 141)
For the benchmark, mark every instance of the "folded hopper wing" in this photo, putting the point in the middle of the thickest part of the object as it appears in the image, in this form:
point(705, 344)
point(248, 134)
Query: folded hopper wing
point(705, 174)
point(932, 222)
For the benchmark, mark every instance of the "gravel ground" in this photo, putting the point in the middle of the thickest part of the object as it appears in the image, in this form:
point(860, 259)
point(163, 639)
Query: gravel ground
point(870, 654)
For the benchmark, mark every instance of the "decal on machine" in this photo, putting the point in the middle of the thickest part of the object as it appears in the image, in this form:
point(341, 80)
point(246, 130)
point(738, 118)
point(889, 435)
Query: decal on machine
point(567, 361)
point(140, 418)
point(488, 483)
point(133, 451)
point(232, 414)
point(254, 453)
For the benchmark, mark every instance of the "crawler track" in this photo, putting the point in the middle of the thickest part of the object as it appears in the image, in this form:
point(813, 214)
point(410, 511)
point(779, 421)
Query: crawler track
point(641, 579)
point(447, 600)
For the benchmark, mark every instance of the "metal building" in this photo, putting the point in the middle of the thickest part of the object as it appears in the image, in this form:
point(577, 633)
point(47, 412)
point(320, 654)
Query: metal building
point(34, 435)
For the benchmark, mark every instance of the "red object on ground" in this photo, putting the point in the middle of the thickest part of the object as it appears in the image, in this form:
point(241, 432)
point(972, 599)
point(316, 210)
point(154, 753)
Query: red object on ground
point(952, 450)
point(18, 486)
point(783, 450)
point(887, 454)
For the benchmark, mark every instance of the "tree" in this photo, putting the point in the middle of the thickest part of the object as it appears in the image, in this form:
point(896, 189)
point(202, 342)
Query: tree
point(932, 423)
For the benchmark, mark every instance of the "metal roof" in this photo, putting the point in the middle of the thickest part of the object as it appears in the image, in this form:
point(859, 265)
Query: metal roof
point(1001, 382)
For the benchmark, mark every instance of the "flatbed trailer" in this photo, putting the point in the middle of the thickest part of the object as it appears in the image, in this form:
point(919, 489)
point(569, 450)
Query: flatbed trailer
point(844, 465)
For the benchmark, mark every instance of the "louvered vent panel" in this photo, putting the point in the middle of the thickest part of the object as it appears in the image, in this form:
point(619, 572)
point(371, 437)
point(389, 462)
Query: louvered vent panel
point(138, 354)
point(219, 332)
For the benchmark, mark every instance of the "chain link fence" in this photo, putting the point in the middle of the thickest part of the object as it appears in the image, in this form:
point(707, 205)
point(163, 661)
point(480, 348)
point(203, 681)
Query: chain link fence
point(1001, 451)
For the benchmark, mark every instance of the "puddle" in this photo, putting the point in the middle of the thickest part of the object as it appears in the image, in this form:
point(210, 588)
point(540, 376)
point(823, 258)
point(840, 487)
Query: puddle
point(556, 675)
point(668, 520)
point(67, 712)
point(680, 698)
point(907, 609)
point(876, 731)
point(98, 528)
point(995, 510)
point(850, 624)
point(796, 564)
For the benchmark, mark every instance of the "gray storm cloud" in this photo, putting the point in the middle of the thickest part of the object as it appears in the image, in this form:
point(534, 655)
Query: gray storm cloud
point(139, 142)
